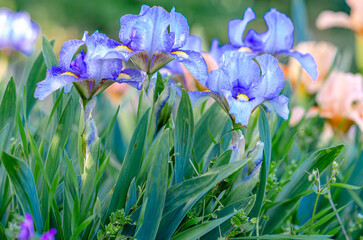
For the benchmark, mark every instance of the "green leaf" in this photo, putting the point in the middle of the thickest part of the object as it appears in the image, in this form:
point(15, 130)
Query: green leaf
point(38, 159)
point(265, 135)
point(3, 136)
point(8, 106)
point(37, 74)
point(81, 227)
point(299, 183)
point(159, 86)
point(201, 229)
point(244, 204)
point(208, 128)
point(22, 134)
point(182, 197)
point(155, 192)
point(59, 140)
point(183, 137)
point(346, 186)
point(48, 54)
point(290, 237)
point(22, 179)
point(130, 166)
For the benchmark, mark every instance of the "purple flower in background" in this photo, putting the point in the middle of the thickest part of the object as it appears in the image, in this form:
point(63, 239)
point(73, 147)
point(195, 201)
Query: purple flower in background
point(242, 83)
point(278, 40)
point(17, 31)
point(27, 230)
point(49, 235)
point(157, 37)
point(91, 72)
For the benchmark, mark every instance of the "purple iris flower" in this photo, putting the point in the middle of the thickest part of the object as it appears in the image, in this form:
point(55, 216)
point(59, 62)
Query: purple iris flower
point(157, 37)
point(278, 40)
point(27, 230)
point(243, 82)
point(18, 31)
point(91, 72)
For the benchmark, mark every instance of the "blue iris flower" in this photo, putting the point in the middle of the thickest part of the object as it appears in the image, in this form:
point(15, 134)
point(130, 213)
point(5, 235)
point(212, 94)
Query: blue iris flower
point(278, 40)
point(243, 82)
point(18, 31)
point(90, 72)
point(157, 37)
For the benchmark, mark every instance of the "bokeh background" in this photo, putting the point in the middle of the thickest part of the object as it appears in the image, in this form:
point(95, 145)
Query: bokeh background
point(68, 19)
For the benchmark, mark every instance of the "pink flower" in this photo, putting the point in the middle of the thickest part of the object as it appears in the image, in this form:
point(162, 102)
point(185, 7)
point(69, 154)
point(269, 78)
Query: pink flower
point(323, 54)
point(354, 21)
point(340, 100)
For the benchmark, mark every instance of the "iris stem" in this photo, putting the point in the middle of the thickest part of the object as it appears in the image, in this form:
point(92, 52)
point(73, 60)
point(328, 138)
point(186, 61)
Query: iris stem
point(312, 218)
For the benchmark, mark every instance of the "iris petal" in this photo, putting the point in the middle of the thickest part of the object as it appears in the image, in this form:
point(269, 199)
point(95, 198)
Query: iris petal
point(273, 77)
point(67, 52)
point(306, 61)
point(132, 77)
point(279, 105)
point(195, 64)
point(179, 26)
point(52, 83)
point(237, 27)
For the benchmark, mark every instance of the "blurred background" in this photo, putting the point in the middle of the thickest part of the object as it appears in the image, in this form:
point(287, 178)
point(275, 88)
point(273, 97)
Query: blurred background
point(68, 19)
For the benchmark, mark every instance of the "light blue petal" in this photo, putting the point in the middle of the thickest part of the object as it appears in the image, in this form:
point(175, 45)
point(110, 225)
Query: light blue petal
point(52, 83)
point(278, 38)
point(179, 26)
point(150, 32)
point(132, 77)
point(272, 77)
point(144, 9)
point(217, 81)
point(237, 27)
point(195, 63)
point(99, 69)
point(100, 46)
point(127, 23)
point(242, 70)
point(193, 43)
point(280, 33)
point(307, 63)
point(67, 52)
point(241, 110)
point(279, 105)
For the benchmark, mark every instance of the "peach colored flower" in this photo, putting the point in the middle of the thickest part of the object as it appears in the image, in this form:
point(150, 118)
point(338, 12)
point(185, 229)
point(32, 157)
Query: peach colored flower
point(340, 100)
point(354, 21)
point(323, 54)
point(116, 91)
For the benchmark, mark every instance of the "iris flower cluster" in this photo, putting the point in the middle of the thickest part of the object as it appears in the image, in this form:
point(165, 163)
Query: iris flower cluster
point(18, 31)
point(155, 37)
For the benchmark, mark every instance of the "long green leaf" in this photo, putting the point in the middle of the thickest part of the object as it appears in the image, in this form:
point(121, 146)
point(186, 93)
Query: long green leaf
point(131, 165)
point(48, 53)
point(155, 192)
point(8, 106)
point(182, 197)
point(201, 229)
point(59, 140)
point(183, 137)
point(290, 237)
point(22, 179)
point(265, 135)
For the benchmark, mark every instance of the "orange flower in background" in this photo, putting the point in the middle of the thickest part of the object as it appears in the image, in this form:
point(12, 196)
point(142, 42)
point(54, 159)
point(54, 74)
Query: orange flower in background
point(116, 91)
point(323, 54)
point(340, 100)
point(354, 21)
